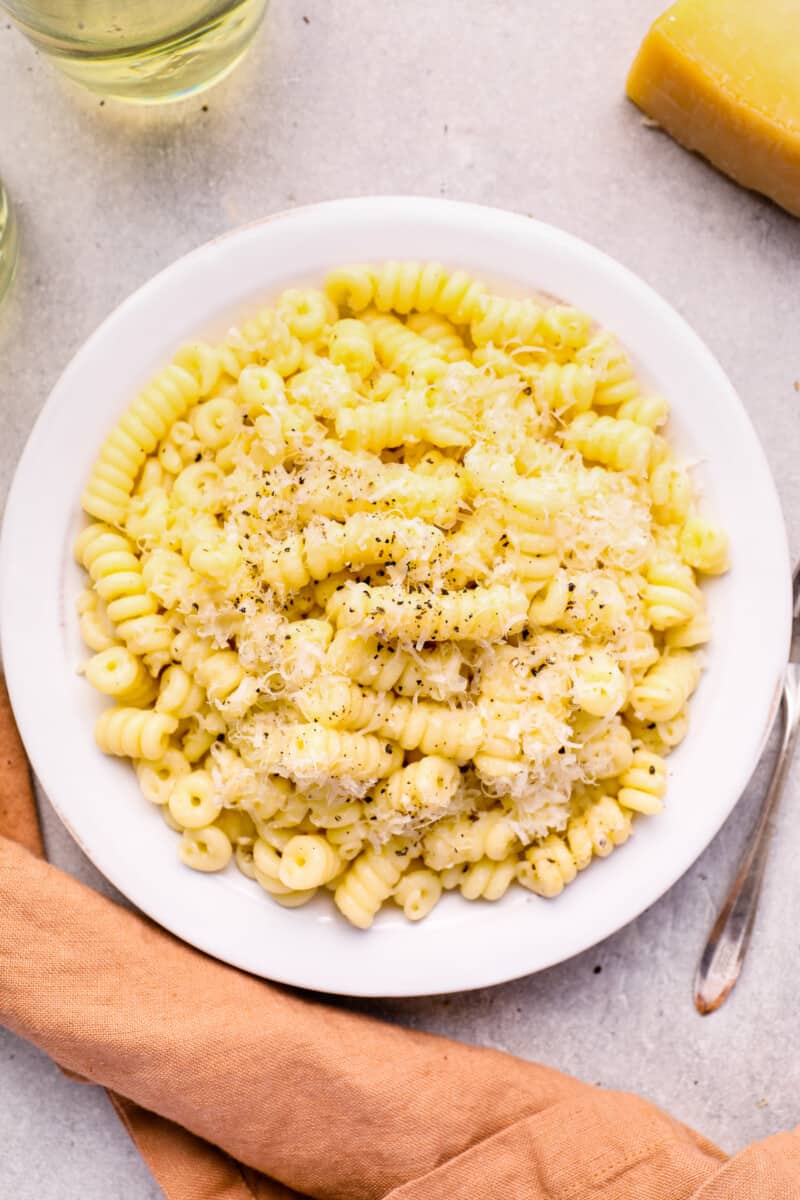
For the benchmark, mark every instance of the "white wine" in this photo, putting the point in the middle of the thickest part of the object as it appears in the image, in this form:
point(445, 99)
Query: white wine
point(8, 242)
point(146, 51)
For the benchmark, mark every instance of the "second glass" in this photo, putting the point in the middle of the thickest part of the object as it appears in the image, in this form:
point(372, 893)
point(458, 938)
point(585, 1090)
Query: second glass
point(8, 242)
point(146, 51)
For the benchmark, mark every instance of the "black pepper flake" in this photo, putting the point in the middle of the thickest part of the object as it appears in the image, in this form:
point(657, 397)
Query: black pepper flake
point(570, 587)
point(562, 750)
point(651, 770)
point(388, 748)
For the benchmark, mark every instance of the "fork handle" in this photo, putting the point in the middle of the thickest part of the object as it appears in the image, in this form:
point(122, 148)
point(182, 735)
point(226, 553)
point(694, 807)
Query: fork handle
point(722, 959)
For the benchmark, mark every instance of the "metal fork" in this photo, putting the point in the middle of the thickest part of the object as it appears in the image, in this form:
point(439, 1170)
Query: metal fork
point(723, 957)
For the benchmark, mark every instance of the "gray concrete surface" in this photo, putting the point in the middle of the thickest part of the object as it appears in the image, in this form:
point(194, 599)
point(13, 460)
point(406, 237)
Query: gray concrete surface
point(503, 102)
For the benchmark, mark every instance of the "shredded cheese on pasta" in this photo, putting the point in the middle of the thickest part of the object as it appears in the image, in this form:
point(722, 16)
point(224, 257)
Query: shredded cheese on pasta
point(398, 582)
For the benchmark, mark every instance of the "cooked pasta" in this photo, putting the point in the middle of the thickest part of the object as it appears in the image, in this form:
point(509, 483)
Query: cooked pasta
point(395, 593)
point(483, 880)
point(118, 673)
point(417, 893)
point(370, 881)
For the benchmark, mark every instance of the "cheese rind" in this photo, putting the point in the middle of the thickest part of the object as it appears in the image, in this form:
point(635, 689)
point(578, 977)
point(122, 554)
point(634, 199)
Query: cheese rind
point(723, 78)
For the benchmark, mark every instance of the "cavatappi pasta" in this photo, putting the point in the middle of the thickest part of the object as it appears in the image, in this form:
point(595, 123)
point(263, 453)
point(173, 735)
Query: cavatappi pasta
point(395, 592)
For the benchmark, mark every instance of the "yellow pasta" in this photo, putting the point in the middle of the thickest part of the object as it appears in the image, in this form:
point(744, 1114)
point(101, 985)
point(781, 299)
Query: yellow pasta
point(547, 867)
point(96, 629)
point(500, 320)
point(394, 592)
point(468, 839)
point(157, 779)
point(416, 795)
point(417, 893)
point(404, 417)
point(616, 380)
point(370, 881)
point(671, 594)
point(118, 673)
point(663, 691)
point(352, 345)
point(326, 547)
point(116, 573)
point(420, 615)
point(670, 491)
point(134, 732)
point(205, 849)
point(704, 546)
point(644, 783)
point(122, 454)
point(483, 880)
point(308, 861)
point(400, 349)
point(564, 388)
point(310, 750)
point(424, 725)
point(442, 333)
point(435, 673)
point(613, 441)
point(193, 802)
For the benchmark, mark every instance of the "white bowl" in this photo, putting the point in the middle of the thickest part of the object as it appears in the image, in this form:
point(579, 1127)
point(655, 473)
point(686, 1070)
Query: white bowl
point(461, 945)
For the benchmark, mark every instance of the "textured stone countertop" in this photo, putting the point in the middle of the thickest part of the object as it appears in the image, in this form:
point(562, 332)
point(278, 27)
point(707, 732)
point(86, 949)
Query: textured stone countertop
point(508, 103)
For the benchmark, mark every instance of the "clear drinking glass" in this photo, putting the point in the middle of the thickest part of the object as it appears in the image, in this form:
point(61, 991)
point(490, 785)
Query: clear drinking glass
point(8, 242)
point(147, 51)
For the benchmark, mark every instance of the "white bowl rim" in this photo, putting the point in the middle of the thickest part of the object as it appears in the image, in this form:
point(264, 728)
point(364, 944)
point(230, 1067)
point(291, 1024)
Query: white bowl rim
point(396, 973)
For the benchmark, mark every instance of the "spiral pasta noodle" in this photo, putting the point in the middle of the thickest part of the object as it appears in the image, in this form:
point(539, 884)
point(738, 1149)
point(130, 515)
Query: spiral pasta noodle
point(134, 732)
point(403, 287)
point(425, 725)
point(369, 882)
point(615, 442)
point(547, 868)
point(442, 333)
point(403, 417)
point(402, 350)
point(423, 616)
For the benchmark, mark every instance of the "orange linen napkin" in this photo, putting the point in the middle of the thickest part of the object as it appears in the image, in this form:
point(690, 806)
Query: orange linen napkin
point(235, 1089)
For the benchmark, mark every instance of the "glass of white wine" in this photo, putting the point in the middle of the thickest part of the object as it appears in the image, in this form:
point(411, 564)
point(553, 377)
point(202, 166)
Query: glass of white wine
point(146, 51)
point(8, 242)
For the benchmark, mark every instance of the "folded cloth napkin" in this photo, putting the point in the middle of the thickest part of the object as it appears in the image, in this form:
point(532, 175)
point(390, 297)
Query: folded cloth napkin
point(234, 1089)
